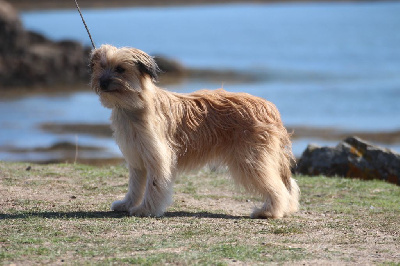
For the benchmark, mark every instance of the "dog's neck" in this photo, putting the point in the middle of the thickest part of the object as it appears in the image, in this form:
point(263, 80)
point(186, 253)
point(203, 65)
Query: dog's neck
point(138, 114)
point(134, 116)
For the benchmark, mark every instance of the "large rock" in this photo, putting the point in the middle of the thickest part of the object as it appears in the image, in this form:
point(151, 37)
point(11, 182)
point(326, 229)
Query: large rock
point(12, 35)
point(352, 158)
point(29, 59)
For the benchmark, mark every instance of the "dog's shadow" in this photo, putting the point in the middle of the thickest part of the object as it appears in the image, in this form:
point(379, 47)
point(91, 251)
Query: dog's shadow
point(112, 214)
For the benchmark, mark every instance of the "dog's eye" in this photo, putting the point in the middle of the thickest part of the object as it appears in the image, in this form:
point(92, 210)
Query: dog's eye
point(119, 69)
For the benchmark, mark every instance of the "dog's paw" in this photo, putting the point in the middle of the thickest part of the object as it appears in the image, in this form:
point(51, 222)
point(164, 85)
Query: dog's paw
point(261, 213)
point(143, 212)
point(120, 206)
point(139, 211)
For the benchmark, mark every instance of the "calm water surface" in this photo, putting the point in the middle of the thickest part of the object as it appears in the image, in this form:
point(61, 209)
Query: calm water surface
point(326, 65)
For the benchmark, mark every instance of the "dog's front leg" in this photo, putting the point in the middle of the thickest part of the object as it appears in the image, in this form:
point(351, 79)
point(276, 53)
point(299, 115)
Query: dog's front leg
point(136, 188)
point(157, 197)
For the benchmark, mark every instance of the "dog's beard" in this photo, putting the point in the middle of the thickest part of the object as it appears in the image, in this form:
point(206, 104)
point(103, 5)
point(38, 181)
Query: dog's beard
point(121, 93)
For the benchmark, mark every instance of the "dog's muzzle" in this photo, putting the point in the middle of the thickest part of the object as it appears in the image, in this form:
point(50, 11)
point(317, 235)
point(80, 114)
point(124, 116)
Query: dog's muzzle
point(105, 81)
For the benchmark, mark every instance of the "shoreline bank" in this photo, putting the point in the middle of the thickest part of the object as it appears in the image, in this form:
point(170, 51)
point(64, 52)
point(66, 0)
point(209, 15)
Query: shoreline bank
point(299, 132)
point(26, 5)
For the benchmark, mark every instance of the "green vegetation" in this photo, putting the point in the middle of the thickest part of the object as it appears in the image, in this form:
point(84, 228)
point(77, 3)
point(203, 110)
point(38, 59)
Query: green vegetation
point(60, 214)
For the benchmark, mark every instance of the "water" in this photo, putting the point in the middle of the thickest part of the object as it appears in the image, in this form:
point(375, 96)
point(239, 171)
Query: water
point(323, 64)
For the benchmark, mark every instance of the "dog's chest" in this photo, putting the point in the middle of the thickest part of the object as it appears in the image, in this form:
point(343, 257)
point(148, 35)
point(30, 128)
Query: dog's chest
point(126, 135)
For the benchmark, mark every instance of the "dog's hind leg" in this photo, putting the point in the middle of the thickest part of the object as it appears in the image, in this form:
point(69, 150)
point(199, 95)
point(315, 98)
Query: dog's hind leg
point(259, 172)
point(294, 196)
point(276, 201)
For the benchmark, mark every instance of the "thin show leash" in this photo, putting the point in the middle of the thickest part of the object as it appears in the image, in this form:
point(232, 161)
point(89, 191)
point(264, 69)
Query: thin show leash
point(84, 23)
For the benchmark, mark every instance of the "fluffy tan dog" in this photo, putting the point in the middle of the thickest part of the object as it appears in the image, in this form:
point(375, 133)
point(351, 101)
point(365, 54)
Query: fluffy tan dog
point(162, 133)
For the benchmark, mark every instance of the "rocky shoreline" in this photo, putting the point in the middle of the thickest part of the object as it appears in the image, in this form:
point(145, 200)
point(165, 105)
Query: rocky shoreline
point(30, 62)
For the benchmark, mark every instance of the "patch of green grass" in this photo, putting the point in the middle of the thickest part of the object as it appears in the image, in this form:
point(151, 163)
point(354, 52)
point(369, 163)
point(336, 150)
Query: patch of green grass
point(189, 188)
point(350, 193)
point(390, 263)
point(236, 251)
point(287, 230)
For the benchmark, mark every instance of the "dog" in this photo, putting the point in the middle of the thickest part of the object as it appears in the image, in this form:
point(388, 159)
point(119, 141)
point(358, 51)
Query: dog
point(162, 134)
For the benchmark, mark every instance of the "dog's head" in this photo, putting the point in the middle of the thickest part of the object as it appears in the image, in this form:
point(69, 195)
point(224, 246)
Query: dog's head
point(119, 76)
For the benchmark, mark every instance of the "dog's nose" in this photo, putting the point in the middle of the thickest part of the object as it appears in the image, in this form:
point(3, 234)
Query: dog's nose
point(104, 83)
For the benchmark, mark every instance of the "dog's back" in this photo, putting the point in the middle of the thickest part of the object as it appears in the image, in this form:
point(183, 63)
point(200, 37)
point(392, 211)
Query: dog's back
point(223, 126)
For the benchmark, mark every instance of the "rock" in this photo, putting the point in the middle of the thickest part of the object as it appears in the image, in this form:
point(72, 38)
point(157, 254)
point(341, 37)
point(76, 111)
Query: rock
point(352, 158)
point(29, 59)
point(12, 34)
point(170, 66)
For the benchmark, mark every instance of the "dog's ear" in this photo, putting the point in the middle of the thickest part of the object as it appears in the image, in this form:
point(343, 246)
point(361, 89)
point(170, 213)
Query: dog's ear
point(146, 64)
point(151, 70)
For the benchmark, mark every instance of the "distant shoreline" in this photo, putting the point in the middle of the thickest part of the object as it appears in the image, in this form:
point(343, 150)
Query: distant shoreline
point(299, 132)
point(64, 151)
point(25, 5)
